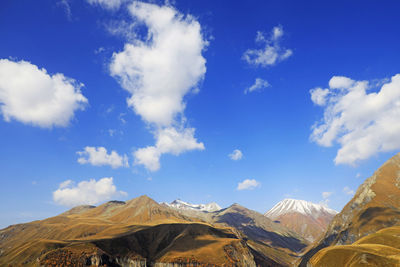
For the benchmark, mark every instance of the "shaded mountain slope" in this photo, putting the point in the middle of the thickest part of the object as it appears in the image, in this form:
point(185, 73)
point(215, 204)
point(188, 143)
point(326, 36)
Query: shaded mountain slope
point(262, 234)
point(376, 205)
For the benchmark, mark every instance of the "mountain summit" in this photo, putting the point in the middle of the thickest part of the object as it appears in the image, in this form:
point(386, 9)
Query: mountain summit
point(307, 219)
point(289, 205)
point(182, 205)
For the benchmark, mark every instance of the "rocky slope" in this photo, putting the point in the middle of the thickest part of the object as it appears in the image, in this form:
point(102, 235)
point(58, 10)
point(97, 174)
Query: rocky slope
point(376, 205)
point(307, 219)
point(141, 232)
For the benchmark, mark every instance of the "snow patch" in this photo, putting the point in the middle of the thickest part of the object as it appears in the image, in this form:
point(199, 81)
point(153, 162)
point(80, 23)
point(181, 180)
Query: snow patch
point(182, 205)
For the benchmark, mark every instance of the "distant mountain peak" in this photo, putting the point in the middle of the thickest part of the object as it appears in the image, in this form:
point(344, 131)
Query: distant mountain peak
point(290, 205)
point(182, 205)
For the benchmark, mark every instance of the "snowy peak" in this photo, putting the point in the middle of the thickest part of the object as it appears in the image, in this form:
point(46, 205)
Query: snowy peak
point(300, 206)
point(182, 205)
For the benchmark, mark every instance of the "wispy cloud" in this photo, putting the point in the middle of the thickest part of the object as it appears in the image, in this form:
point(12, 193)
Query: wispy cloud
point(258, 85)
point(236, 155)
point(271, 52)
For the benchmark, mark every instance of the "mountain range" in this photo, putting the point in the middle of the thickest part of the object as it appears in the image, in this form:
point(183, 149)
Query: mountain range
point(142, 232)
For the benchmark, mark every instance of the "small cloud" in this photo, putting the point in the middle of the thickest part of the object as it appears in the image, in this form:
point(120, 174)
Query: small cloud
point(236, 155)
point(348, 191)
point(121, 118)
point(34, 182)
point(112, 132)
point(319, 96)
point(248, 184)
point(98, 156)
point(65, 184)
point(258, 85)
point(107, 4)
point(110, 109)
point(86, 192)
point(358, 175)
point(271, 53)
point(149, 179)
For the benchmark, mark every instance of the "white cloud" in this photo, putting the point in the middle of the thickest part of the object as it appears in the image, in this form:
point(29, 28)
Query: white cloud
point(319, 95)
point(98, 157)
point(358, 175)
point(248, 184)
point(32, 96)
point(108, 4)
point(348, 191)
point(169, 140)
point(271, 53)
point(236, 155)
point(340, 82)
point(258, 85)
point(158, 71)
point(86, 192)
point(363, 123)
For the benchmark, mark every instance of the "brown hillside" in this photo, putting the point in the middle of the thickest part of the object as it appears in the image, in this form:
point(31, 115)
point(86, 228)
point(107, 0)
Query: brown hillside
point(379, 249)
point(376, 205)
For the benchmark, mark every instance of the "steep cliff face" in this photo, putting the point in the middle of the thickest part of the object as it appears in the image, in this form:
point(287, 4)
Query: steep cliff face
point(376, 205)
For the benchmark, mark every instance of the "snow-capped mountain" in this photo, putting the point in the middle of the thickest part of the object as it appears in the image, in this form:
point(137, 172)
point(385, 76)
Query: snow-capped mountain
point(182, 205)
point(301, 206)
point(307, 219)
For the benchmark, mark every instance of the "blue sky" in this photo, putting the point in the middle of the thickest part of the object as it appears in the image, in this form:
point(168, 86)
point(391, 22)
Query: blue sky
point(195, 103)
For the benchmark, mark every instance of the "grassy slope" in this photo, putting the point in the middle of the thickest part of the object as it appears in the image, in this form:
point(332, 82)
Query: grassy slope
point(379, 249)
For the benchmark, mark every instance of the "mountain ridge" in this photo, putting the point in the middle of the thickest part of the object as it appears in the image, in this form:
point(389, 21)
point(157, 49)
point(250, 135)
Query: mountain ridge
point(182, 205)
point(375, 206)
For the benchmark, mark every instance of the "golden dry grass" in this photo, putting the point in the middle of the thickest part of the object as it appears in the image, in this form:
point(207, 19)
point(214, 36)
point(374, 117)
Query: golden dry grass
point(379, 249)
